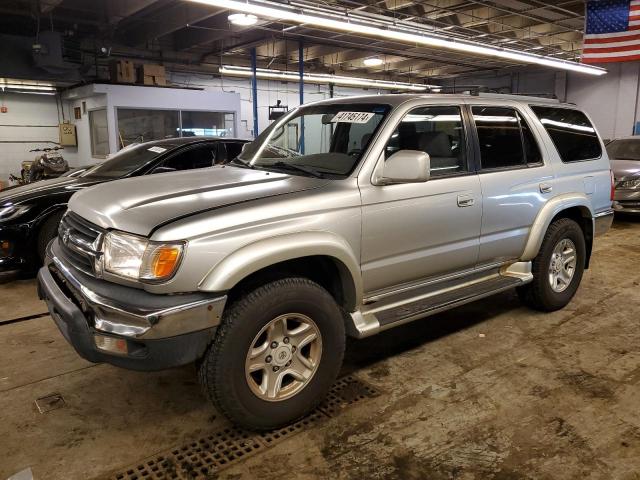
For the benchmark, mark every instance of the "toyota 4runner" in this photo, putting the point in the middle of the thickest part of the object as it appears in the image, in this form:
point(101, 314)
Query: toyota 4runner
point(344, 217)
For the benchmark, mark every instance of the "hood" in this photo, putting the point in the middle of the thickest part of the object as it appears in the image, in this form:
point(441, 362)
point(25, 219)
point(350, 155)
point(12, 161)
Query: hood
point(625, 168)
point(140, 205)
point(31, 191)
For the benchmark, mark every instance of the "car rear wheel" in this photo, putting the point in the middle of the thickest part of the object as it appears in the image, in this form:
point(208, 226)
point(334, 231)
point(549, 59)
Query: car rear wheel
point(558, 268)
point(276, 354)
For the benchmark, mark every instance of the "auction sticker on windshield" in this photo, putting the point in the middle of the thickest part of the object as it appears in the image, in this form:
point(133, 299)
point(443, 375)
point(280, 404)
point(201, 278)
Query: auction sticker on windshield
point(352, 117)
point(157, 149)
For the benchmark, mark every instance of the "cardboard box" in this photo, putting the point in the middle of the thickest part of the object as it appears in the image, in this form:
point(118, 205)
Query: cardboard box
point(152, 75)
point(147, 70)
point(122, 71)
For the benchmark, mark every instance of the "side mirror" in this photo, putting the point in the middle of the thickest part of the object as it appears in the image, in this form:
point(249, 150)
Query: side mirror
point(406, 166)
point(163, 170)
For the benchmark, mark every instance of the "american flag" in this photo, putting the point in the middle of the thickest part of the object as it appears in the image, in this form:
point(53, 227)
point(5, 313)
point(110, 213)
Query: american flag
point(612, 31)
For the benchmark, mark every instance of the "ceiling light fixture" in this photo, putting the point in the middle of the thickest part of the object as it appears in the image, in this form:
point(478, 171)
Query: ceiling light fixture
point(373, 62)
point(380, 26)
point(242, 19)
point(323, 78)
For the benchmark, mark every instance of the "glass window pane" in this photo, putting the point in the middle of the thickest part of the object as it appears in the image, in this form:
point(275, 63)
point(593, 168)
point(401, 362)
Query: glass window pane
point(437, 131)
point(326, 139)
point(139, 125)
point(571, 132)
point(99, 133)
point(531, 149)
point(499, 137)
point(216, 124)
point(197, 157)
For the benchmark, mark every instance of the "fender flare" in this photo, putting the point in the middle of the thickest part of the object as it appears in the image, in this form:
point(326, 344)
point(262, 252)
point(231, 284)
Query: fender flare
point(548, 212)
point(273, 250)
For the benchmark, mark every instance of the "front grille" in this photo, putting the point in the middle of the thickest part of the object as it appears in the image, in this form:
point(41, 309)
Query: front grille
point(80, 242)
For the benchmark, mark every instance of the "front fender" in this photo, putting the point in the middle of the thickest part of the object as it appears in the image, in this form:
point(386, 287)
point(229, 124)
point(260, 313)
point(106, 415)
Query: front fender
point(548, 212)
point(264, 253)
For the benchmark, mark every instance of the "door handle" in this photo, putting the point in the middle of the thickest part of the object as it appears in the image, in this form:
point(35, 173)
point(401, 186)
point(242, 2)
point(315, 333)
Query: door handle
point(545, 188)
point(465, 201)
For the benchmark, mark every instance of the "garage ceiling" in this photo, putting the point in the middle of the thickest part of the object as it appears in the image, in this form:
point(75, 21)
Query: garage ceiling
point(199, 36)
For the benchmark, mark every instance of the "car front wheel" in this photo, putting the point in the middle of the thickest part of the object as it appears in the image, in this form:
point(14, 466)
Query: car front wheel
point(276, 354)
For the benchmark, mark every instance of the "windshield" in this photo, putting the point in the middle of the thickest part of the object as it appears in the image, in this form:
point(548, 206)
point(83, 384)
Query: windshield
point(127, 161)
point(318, 140)
point(624, 149)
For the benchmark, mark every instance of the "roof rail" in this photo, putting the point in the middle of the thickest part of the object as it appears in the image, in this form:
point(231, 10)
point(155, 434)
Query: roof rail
point(479, 91)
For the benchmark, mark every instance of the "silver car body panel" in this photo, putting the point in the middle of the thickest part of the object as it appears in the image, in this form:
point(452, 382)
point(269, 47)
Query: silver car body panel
point(391, 240)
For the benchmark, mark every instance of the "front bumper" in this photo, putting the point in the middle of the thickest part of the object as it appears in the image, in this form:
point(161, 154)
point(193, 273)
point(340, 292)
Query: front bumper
point(160, 331)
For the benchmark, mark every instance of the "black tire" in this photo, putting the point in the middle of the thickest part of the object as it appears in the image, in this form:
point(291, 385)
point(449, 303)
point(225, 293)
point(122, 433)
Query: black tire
point(48, 231)
point(539, 294)
point(222, 368)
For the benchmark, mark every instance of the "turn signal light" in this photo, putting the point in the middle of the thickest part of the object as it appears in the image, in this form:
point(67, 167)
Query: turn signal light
point(164, 261)
point(111, 344)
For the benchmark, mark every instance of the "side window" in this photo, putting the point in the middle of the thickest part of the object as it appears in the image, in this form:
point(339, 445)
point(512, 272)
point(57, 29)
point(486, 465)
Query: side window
point(199, 157)
point(499, 137)
point(571, 132)
point(437, 131)
point(531, 148)
point(233, 150)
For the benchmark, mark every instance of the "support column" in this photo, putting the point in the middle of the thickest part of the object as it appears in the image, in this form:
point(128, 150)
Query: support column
point(254, 91)
point(301, 88)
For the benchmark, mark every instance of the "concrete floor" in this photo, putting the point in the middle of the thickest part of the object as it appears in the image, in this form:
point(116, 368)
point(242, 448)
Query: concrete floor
point(489, 390)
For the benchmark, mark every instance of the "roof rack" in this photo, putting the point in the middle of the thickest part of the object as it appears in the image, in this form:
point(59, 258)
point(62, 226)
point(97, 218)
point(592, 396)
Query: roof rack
point(479, 91)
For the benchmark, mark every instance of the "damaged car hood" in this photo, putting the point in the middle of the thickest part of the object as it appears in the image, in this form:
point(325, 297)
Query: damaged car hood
point(140, 205)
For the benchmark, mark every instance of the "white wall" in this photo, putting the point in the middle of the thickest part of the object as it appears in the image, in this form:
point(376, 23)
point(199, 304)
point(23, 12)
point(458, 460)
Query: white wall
point(30, 122)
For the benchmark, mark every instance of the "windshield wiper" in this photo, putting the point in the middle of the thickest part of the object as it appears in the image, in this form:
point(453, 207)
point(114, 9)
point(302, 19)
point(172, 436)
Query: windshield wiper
point(300, 168)
point(242, 163)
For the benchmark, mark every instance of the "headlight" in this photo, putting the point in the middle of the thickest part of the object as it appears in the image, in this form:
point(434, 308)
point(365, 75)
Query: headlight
point(137, 258)
point(629, 184)
point(11, 211)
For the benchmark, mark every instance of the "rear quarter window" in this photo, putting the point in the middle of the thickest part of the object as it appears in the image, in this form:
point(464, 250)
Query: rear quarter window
point(571, 132)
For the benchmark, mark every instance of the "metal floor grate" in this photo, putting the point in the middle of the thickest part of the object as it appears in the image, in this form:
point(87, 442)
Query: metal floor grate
point(204, 458)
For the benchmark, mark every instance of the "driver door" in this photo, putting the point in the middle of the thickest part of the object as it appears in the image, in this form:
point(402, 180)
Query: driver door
point(417, 231)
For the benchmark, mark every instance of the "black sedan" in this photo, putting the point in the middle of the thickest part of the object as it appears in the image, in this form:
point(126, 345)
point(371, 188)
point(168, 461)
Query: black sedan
point(30, 214)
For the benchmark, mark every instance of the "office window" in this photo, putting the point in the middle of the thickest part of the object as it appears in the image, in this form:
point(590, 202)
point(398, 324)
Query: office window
point(142, 125)
point(99, 133)
point(217, 124)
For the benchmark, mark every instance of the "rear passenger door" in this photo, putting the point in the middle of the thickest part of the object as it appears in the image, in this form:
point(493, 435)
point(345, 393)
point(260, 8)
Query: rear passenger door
point(515, 177)
point(417, 231)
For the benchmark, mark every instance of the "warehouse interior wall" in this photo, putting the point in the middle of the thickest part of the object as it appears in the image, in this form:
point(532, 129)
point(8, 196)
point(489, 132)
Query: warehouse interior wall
point(30, 121)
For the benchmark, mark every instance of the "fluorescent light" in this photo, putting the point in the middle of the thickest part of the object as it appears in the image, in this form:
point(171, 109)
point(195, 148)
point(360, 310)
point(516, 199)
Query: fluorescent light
point(323, 78)
point(380, 26)
point(373, 62)
point(243, 19)
point(26, 85)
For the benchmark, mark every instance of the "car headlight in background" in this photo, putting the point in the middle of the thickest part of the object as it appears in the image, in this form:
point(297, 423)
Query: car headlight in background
point(629, 184)
point(11, 211)
point(136, 258)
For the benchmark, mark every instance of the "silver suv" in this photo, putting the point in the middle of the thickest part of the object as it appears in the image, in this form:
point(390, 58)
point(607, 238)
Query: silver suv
point(345, 217)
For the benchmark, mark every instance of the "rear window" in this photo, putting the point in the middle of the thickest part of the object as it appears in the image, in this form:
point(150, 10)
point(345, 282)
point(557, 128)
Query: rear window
point(571, 132)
